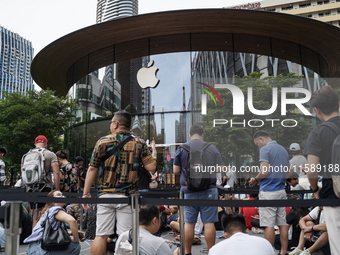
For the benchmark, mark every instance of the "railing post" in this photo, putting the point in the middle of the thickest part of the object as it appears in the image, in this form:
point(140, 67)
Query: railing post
point(135, 223)
point(13, 216)
point(181, 224)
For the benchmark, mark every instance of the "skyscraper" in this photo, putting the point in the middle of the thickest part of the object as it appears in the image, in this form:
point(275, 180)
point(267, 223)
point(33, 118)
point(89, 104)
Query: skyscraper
point(16, 54)
point(124, 72)
point(112, 9)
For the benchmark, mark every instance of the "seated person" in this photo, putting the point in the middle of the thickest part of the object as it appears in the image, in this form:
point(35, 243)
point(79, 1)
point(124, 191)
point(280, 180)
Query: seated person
point(173, 214)
point(249, 213)
point(293, 218)
point(236, 234)
point(313, 229)
point(148, 243)
point(293, 182)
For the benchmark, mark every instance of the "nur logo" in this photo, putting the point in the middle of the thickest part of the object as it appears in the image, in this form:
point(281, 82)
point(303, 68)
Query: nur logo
point(204, 97)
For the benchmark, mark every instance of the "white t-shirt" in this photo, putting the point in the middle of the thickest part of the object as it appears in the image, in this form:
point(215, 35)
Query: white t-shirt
point(231, 179)
point(314, 215)
point(240, 244)
point(148, 244)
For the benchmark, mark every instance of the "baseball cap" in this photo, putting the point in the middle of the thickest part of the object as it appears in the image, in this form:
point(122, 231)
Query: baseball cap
point(294, 147)
point(41, 139)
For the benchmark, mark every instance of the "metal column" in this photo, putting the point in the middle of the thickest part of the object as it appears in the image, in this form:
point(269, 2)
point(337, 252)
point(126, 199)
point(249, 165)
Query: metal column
point(135, 223)
point(13, 216)
point(181, 224)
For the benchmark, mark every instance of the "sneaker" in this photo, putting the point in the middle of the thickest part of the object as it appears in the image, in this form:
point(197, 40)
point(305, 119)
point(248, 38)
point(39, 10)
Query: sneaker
point(296, 251)
point(305, 252)
point(257, 230)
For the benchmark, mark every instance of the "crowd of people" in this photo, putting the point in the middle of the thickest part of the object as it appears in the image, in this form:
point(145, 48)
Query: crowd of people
point(121, 159)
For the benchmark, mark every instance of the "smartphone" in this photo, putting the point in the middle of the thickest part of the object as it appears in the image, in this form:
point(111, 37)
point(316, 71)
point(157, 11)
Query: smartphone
point(81, 235)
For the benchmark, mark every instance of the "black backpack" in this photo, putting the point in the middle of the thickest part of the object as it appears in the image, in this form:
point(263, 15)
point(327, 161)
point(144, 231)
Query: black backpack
point(196, 175)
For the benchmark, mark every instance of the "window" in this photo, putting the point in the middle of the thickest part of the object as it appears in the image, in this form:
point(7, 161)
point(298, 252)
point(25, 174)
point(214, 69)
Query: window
point(327, 14)
point(319, 3)
point(287, 8)
point(325, 2)
point(320, 14)
point(309, 16)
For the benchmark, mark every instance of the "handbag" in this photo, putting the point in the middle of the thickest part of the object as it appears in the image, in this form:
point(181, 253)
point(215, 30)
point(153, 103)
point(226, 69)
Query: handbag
point(54, 240)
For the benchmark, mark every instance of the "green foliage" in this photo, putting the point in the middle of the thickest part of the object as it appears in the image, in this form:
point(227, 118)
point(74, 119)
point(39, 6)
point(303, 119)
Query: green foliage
point(24, 118)
point(235, 142)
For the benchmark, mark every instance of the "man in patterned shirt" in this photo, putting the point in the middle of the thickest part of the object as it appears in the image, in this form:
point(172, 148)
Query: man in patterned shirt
point(119, 178)
point(3, 152)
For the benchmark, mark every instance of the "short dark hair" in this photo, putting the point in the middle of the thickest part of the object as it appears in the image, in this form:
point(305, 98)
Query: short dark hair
point(147, 213)
point(78, 159)
point(294, 176)
point(62, 154)
point(123, 118)
point(3, 150)
point(260, 133)
point(232, 222)
point(325, 100)
point(196, 129)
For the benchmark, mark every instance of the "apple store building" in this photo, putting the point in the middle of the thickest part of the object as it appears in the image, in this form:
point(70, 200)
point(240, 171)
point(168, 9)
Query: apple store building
point(231, 71)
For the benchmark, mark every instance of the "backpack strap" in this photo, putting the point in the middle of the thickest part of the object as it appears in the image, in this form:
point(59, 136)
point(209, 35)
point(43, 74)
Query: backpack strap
point(332, 126)
point(118, 147)
point(187, 147)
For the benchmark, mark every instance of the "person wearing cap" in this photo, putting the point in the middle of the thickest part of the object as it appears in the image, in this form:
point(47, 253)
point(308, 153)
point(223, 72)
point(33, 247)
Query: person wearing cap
point(3, 152)
point(298, 161)
point(51, 165)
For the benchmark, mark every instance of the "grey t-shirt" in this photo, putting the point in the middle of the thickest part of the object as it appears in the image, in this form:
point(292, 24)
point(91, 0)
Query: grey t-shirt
point(148, 244)
point(298, 160)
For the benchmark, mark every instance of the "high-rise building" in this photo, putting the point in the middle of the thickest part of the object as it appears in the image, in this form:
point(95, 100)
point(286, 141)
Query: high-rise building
point(325, 11)
point(124, 72)
point(16, 54)
point(112, 9)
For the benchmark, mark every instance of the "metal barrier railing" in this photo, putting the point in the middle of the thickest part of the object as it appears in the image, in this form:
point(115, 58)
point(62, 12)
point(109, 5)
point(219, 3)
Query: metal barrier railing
point(15, 198)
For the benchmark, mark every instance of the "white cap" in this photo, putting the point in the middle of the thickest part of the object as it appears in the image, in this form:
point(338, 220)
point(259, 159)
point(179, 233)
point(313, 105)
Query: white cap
point(3, 202)
point(294, 147)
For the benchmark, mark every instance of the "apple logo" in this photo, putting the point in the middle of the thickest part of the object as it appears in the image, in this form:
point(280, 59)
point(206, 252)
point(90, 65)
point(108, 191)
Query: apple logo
point(146, 76)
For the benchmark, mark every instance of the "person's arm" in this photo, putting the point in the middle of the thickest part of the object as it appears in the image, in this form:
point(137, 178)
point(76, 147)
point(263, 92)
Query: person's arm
point(303, 223)
point(151, 167)
point(56, 177)
point(264, 170)
point(177, 169)
point(310, 169)
point(90, 177)
point(64, 217)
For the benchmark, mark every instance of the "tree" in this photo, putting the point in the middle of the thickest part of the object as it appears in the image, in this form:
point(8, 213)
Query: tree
point(23, 118)
point(235, 142)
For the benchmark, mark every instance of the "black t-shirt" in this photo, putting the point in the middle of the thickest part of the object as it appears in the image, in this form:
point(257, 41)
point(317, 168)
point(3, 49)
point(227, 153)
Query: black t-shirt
point(293, 219)
point(319, 143)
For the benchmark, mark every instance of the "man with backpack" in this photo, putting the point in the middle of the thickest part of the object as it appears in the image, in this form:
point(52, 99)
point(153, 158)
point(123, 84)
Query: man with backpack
point(320, 150)
point(37, 167)
point(192, 158)
point(119, 155)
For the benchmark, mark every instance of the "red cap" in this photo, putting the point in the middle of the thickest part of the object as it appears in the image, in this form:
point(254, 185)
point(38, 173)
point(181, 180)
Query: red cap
point(41, 139)
point(161, 208)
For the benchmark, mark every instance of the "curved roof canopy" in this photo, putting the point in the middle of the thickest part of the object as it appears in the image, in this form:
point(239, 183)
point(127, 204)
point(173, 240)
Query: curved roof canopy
point(310, 43)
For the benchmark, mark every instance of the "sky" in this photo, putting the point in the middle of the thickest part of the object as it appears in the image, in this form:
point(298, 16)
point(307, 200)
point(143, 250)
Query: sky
point(44, 21)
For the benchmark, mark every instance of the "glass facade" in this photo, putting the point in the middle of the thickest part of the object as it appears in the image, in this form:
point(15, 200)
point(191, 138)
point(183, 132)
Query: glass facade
point(166, 113)
point(16, 54)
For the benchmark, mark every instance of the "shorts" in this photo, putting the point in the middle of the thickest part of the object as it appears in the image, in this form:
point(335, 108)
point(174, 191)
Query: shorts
point(271, 216)
point(109, 214)
point(208, 214)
